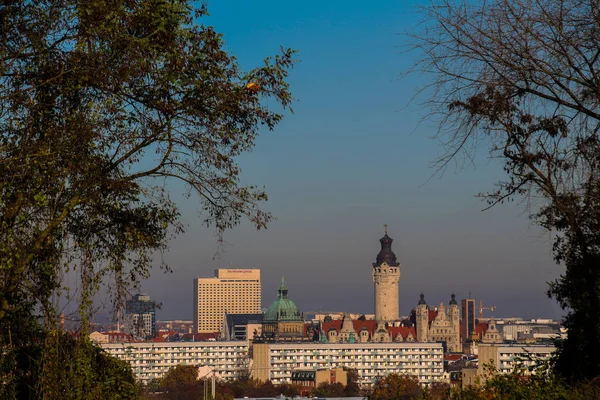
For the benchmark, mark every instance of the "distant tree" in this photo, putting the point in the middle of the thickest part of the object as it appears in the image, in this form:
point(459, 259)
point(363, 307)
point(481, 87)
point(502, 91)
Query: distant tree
point(153, 385)
point(326, 389)
point(438, 391)
point(178, 376)
point(396, 387)
point(289, 390)
point(352, 388)
point(520, 77)
point(181, 382)
point(265, 389)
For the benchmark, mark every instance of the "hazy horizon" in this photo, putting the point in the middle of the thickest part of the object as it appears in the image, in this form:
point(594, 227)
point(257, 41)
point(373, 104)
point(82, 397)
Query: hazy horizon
point(352, 158)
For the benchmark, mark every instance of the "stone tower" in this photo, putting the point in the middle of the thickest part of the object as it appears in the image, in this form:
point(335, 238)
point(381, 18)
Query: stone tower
point(454, 342)
point(422, 320)
point(386, 275)
point(454, 311)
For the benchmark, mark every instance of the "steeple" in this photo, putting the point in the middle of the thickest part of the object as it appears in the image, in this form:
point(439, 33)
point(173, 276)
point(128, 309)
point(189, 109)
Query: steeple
point(422, 301)
point(282, 291)
point(386, 254)
point(453, 301)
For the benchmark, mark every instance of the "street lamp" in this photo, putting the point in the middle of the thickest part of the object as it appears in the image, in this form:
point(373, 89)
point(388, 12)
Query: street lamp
point(203, 372)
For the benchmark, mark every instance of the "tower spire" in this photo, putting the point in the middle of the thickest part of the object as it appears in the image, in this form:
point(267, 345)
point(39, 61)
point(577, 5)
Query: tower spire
point(385, 228)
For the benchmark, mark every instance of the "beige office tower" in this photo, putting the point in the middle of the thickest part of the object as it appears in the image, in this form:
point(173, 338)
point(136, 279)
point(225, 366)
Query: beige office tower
point(232, 291)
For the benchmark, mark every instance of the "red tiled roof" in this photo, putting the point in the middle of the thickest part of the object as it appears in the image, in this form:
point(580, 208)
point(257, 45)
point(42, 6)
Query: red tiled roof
point(452, 357)
point(481, 328)
point(335, 324)
point(404, 331)
point(432, 315)
point(370, 326)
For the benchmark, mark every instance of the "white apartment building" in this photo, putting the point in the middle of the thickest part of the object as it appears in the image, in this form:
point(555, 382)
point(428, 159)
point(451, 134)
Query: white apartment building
point(276, 361)
point(506, 357)
point(153, 360)
point(232, 291)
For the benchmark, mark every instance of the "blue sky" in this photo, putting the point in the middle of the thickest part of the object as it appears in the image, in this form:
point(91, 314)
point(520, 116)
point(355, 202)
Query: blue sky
point(351, 158)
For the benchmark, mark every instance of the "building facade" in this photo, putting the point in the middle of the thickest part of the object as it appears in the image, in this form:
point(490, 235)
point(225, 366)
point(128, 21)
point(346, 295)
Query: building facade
point(277, 361)
point(233, 291)
point(140, 316)
point(441, 325)
point(468, 318)
point(283, 321)
point(241, 326)
point(506, 357)
point(363, 331)
point(386, 275)
point(153, 360)
point(308, 380)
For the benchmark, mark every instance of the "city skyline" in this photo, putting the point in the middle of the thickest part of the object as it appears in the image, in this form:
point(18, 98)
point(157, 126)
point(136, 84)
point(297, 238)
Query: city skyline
point(349, 160)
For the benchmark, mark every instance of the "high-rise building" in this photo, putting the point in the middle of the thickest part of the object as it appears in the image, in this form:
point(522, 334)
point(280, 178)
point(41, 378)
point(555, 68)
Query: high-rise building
point(140, 315)
point(386, 275)
point(232, 291)
point(468, 318)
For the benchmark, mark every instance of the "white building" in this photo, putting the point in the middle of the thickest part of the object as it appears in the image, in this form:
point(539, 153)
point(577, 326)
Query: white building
point(506, 357)
point(153, 360)
point(276, 361)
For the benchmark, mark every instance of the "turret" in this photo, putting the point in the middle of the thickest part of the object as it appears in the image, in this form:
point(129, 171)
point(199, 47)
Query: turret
point(422, 319)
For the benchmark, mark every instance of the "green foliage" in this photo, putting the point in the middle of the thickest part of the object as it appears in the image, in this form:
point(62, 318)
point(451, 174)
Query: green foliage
point(539, 386)
point(437, 391)
point(179, 381)
point(397, 387)
point(325, 389)
point(352, 388)
point(101, 103)
point(516, 386)
point(57, 365)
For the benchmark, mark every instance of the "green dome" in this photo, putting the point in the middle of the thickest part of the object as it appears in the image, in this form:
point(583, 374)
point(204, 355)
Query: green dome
point(282, 309)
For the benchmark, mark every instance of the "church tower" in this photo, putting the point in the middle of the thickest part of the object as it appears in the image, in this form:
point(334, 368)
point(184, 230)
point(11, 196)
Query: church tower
point(422, 319)
point(454, 311)
point(386, 275)
point(454, 342)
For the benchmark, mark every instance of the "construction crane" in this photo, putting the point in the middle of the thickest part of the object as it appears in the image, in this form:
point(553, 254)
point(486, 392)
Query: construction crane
point(481, 308)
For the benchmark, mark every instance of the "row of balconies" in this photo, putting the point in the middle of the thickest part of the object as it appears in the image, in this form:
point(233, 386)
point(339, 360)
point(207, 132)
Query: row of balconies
point(176, 350)
point(362, 366)
point(355, 355)
point(358, 356)
point(364, 350)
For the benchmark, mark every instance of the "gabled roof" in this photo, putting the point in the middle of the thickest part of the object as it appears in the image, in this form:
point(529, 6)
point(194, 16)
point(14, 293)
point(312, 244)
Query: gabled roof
point(370, 326)
point(404, 331)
